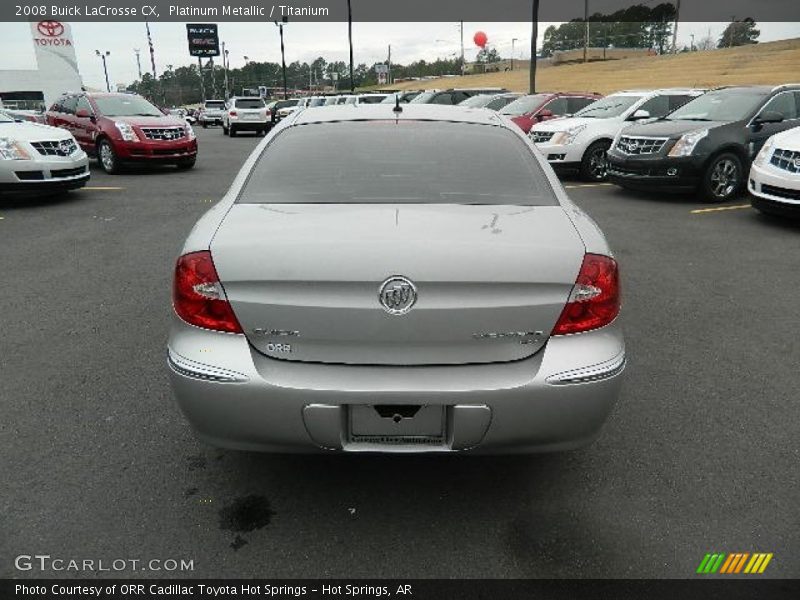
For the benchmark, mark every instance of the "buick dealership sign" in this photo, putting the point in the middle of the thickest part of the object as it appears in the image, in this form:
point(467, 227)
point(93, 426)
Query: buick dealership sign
point(203, 39)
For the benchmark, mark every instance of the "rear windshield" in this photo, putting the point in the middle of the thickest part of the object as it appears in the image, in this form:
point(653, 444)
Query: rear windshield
point(406, 162)
point(249, 103)
point(215, 104)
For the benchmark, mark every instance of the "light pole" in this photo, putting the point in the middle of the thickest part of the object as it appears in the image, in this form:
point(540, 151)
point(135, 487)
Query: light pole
point(513, 41)
point(283, 56)
point(534, 35)
point(350, 40)
point(225, 68)
point(138, 62)
point(103, 55)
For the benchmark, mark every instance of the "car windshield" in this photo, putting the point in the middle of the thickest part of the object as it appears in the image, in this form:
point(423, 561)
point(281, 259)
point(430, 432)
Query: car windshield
point(285, 104)
point(249, 103)
point(721, 105)
point(215, 104)
point(126, 106)
point(524, 105)
point(398, 163)
point(611, 106)
point(478, 101)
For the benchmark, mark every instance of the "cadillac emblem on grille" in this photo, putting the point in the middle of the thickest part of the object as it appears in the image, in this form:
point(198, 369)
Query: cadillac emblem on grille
point(65, 147)
point(397, 295)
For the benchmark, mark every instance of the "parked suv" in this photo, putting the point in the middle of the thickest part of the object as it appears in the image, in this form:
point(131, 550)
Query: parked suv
point(119, 128)
point(775, 175)
point(581, 141)
point(452, 96)
point(245, 114)
point(706, 145)
point(529, 110)
point(211, 113)
point(35, 157)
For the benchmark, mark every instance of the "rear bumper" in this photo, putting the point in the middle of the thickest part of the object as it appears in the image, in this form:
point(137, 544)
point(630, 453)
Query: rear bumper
point(235, 397)
point(156, 151)
point(655, 172)
point(249, 125)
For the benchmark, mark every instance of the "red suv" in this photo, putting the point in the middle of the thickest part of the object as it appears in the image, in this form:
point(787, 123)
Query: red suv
point(119, 128)
point(529, 110)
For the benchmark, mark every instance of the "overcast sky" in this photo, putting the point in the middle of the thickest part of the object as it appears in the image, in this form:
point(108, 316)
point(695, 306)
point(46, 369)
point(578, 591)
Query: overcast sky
point(304, 42)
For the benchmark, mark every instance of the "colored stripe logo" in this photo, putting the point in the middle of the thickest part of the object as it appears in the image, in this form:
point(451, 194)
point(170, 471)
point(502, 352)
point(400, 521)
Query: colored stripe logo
point(734, 563)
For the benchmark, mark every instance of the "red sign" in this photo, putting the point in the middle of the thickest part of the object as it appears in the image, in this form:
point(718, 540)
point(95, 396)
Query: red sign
point(50, 28)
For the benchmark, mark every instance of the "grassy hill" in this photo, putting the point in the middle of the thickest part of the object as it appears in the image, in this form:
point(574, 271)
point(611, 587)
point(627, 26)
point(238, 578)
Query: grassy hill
point(769, 63)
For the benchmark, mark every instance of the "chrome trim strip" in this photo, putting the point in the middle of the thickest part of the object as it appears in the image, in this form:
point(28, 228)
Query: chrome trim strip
point(189, 368)
point(600, 371)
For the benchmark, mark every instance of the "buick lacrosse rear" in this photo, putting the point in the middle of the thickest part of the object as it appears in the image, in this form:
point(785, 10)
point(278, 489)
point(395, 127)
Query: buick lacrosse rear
point(396, 279)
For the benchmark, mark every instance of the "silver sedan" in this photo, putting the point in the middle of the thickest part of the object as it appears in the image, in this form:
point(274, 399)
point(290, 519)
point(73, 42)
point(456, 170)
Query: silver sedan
point(396, 280)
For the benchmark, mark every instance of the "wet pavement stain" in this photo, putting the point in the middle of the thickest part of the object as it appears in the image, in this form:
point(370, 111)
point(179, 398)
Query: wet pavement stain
point(190, 492)
point(238, 542)
point(195, 462)
point(247, 513)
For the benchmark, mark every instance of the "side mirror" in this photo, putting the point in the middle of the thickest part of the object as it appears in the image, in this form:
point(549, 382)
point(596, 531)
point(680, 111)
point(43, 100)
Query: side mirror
point(639, 114)
point(82, 113)
point(769, 116)
point(544, 114)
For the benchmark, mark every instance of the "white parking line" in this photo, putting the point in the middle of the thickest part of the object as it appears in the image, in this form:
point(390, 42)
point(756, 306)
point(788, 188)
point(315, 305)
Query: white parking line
point(104, 188)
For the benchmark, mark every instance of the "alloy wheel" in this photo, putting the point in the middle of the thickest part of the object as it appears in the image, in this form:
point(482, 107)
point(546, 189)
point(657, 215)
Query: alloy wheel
point(724, 178)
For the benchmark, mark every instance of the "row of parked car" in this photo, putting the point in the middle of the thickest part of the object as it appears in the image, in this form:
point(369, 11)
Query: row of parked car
point(665, 139)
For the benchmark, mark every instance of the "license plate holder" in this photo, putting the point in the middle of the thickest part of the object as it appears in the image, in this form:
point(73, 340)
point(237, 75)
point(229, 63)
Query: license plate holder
point(396, 421)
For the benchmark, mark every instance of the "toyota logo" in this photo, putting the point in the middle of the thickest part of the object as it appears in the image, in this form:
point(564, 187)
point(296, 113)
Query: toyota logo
point(50, 28)
point(397, 295)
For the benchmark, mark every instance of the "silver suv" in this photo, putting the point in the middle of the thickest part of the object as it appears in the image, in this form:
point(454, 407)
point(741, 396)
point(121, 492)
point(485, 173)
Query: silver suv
point(211, 113)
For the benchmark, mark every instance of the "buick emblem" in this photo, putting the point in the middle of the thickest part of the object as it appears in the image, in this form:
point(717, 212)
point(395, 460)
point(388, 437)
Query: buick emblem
point(632, 146)
point(397, 295)
point(50, 28)
point(797, 163)
point(65, 147)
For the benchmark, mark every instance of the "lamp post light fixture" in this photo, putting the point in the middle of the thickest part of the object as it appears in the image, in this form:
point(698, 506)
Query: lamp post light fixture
point(103, 55)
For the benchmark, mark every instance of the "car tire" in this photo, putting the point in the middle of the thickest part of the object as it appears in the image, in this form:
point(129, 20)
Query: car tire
point(594, 164)
point(232, 132)
point(107, 157)
point(224, 129)
point(186, 164)
point(205, 125)
point(723, 177)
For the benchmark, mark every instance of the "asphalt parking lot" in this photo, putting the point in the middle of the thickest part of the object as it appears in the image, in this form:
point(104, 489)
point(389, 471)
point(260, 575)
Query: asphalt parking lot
point(701, 454)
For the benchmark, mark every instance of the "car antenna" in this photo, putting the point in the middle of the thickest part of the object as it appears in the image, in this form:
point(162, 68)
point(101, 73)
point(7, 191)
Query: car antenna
point(397, 108)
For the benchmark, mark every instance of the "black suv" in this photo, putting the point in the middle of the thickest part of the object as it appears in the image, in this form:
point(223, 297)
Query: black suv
point(453, 96)
point(707, 144)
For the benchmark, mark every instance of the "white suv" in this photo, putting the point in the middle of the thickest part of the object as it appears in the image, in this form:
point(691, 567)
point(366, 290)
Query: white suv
point(774, 181)
point(248, 113)
point(581, 141)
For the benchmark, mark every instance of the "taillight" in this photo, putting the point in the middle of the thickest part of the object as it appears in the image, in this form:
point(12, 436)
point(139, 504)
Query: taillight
point(198, 296)
point(595, 298)
point(232, 113)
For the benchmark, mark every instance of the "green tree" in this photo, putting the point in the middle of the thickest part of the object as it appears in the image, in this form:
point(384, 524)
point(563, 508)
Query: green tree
point(488, 55)
point(739, 33)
